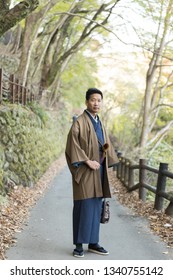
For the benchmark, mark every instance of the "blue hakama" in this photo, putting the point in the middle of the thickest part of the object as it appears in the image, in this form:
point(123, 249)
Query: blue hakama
point(86, 220)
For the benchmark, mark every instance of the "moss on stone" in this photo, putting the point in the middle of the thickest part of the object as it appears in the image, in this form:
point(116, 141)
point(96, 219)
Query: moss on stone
point(30, 140)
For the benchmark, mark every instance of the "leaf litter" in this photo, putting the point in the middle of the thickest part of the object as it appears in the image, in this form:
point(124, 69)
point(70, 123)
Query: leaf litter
point(160, 223)
point(15, 212)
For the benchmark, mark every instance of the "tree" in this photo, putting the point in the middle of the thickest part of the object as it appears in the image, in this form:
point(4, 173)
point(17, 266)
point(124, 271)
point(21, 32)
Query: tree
point(54, 34)
point(159, 74)
point(154, 43)
point(10, 17)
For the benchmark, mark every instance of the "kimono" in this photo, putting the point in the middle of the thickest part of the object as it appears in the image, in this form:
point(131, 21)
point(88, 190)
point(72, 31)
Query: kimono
point(89, 186)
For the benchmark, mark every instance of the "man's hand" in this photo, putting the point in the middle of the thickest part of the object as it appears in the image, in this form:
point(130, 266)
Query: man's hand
point(93, 164)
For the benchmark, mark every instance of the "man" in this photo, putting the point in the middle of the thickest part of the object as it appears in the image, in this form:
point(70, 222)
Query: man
point(88, 162)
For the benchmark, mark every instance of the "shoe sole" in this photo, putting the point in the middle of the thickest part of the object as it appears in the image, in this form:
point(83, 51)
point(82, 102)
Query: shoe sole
point(97, 252)
point(78, 256)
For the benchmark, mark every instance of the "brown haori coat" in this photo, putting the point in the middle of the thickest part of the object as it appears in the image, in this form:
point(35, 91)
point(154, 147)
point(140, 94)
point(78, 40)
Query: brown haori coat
point(82, 144)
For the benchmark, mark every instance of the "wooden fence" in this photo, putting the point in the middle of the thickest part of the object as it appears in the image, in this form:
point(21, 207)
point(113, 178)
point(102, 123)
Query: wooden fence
point(12, 90)
point(125, 173)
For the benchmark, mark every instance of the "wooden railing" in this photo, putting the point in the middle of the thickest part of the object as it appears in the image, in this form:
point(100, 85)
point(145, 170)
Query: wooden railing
point(125, 173)
point(12, 90)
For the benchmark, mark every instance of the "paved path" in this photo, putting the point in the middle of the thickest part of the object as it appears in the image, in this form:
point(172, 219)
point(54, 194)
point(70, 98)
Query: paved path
point(48, 234)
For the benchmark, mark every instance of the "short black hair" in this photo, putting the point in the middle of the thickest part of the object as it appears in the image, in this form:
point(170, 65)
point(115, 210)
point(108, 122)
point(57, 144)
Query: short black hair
point(91, 91)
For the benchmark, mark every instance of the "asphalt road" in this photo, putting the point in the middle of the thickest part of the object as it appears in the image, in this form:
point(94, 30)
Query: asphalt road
point(48, 233)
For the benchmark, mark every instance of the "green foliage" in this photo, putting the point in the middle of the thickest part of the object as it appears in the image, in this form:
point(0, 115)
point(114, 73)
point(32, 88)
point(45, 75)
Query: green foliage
point(77, 78)
point(163, 153)
point(40, 112)
point(169, 138)
point(60, 7)
point(165, 114)
point(126, 133)
point(122, 103)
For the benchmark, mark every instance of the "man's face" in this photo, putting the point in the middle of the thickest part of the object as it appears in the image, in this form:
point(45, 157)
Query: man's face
point(94, 103)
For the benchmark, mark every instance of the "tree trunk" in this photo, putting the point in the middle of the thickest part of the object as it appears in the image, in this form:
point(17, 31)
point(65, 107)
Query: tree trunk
point(17, 40)
point(32, 25)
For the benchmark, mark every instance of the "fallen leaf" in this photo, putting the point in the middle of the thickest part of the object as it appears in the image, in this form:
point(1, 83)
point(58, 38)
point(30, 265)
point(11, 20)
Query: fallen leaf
point(167, 225)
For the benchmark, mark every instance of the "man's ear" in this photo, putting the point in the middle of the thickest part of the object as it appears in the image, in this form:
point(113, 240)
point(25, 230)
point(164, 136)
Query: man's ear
point(86, 102)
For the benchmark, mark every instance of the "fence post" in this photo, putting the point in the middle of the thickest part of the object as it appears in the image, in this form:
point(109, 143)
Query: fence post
point(25, 96)
point(12, 88)
point(122, 170)
point(161, 185)
point(142, 177)
point(131, 176)
point(16, 81)
point(21, 95)
point(126, 172)
point(1, 78)
point(119, 168)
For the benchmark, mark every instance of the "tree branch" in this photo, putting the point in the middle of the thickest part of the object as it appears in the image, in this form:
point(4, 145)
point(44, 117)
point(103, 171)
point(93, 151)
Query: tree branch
point(163, 131)
point(10, 17)
point(162, 105)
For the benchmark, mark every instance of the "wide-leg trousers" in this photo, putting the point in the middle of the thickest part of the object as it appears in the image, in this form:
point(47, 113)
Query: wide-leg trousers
point(86, 220)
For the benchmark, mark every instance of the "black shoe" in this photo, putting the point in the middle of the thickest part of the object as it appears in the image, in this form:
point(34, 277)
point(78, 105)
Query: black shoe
point(97, 249)
point(78, 253)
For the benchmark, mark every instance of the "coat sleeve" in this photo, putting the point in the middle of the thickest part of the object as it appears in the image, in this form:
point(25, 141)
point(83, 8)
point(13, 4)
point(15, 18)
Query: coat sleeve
point(111, 155)
point(74, 152)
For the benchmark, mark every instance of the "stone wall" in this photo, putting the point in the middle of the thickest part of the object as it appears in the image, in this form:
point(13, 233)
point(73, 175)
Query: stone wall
point(29, 141)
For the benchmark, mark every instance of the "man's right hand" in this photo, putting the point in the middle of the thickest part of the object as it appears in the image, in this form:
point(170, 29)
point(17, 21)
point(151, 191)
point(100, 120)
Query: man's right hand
point(93, 164)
